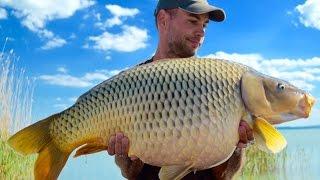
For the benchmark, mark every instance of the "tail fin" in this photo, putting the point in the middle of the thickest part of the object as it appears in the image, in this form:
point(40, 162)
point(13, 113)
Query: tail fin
point(36, 139)
point(50, 162)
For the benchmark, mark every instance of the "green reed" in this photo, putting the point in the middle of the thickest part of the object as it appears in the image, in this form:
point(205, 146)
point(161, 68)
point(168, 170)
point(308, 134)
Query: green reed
point(16, 92)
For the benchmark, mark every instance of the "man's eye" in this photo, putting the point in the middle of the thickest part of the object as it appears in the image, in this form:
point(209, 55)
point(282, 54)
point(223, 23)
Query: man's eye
point(193, 21)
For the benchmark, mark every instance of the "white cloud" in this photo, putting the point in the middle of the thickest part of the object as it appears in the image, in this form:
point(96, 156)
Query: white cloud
point(63, 103)
point(110, 73)
point(65, 80)
point(119, 14)
point(130, 39)
point(298, 63)
point(62, 69)
point(35, 14)
point(60, 106)
point(252, 60)
point(89, 79)
point(3, 13)
point(108, 57)
point(44, 33)
point(72, 36)
point(97, 16)
point(112, 22)
point(309, 13)
point(119, 11)
point(92, 14)
point(95, 76)
point(54, 43)
point(313, 70)
point(73, 99)
point(302, 73)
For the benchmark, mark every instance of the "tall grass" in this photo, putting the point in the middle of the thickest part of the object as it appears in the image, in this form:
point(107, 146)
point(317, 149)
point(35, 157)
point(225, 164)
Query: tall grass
point(293, 164)
point(16, 92)
point(262, 165)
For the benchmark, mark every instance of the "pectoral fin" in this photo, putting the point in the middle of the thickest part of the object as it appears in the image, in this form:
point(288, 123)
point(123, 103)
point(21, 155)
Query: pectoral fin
point(90, 148)
point(174, 172)
point(268, 138)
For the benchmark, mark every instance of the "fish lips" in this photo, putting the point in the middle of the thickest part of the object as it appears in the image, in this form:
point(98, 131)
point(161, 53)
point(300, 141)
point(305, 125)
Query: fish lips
point(284, 117)
point(302, 110)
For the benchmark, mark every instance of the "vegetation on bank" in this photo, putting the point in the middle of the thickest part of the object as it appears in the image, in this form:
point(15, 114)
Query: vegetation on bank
point(263, 165)
point(16, 92)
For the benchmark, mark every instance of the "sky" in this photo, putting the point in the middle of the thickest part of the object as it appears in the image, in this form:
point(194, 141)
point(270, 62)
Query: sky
point(70, 46)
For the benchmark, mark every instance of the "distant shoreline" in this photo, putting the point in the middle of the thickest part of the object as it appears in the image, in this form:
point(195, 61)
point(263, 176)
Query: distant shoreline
point(301, 127)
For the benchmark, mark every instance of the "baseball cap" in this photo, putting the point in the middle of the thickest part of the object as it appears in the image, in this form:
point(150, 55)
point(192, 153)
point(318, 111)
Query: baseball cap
point(193, 6)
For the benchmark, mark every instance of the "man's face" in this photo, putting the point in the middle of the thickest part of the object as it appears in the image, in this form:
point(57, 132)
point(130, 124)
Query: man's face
point(186, 32)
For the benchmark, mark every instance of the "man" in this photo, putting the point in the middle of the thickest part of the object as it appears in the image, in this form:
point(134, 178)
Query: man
point(181, 25)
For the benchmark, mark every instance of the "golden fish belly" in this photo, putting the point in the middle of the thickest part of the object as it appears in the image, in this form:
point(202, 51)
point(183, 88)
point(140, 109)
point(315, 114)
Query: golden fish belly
point(173, 112)
point(203, 138)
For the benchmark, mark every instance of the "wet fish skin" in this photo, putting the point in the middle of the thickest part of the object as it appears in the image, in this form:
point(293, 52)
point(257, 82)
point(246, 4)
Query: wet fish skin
point(160, 109)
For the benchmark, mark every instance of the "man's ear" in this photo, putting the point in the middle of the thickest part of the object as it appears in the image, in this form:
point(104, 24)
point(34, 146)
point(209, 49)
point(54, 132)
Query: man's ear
point(162, 20)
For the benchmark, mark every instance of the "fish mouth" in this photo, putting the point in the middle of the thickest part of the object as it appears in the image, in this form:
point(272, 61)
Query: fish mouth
point(302, 110)
point(305, 105)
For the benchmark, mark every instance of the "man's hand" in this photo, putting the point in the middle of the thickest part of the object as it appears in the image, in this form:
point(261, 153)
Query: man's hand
point(245, 135)
point(119, 146)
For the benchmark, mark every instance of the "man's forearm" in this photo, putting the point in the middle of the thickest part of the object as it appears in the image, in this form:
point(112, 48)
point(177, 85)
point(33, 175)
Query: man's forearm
point(129, 169)
point(231, 167)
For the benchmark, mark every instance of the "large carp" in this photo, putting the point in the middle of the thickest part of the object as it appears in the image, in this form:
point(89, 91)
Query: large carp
point(180, 114)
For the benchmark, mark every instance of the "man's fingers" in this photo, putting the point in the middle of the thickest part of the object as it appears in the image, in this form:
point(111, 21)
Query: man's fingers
point(133, 158)
point(241, 145)
point(118, 144)
point(125, 146)
point(111, 145)
point(248, 129)
point(243, 135)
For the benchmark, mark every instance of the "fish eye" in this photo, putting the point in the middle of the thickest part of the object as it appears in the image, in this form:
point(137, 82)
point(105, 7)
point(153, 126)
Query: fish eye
point(280, 87)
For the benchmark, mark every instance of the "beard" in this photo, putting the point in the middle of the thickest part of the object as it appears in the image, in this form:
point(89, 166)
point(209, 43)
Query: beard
point(179, 47)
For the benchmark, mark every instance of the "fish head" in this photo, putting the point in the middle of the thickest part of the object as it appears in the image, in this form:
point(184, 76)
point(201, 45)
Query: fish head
point(287, 101)
point(273, 99)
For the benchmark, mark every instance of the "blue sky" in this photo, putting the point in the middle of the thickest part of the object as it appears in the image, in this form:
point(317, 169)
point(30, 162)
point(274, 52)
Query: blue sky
point(69, 46)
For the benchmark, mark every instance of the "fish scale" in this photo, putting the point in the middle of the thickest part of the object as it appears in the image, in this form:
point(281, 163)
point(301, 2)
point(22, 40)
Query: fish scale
point(174, 108)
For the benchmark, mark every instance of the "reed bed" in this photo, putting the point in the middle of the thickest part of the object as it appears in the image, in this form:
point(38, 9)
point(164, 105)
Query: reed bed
point(16, 92)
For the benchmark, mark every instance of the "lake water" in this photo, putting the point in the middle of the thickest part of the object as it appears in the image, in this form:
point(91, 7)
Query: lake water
point(302, 162)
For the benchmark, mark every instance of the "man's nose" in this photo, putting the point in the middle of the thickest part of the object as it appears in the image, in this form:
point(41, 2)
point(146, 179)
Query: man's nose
point(200, 32)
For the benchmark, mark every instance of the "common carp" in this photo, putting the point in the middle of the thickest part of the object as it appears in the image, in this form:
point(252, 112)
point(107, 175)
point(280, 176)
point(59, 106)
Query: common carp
point(180, 114)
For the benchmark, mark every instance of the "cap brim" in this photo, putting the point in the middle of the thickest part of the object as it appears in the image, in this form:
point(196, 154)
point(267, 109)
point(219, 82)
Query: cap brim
point(215, 13)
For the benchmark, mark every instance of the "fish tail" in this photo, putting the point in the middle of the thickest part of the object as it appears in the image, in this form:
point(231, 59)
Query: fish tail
point(50, 162)
point(36, 139)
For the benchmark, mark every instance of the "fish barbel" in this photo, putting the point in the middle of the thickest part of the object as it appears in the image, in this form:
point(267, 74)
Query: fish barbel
point(180, 114)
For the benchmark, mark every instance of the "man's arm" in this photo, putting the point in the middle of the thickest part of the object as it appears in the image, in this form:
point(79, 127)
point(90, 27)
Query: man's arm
point(119, 146)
